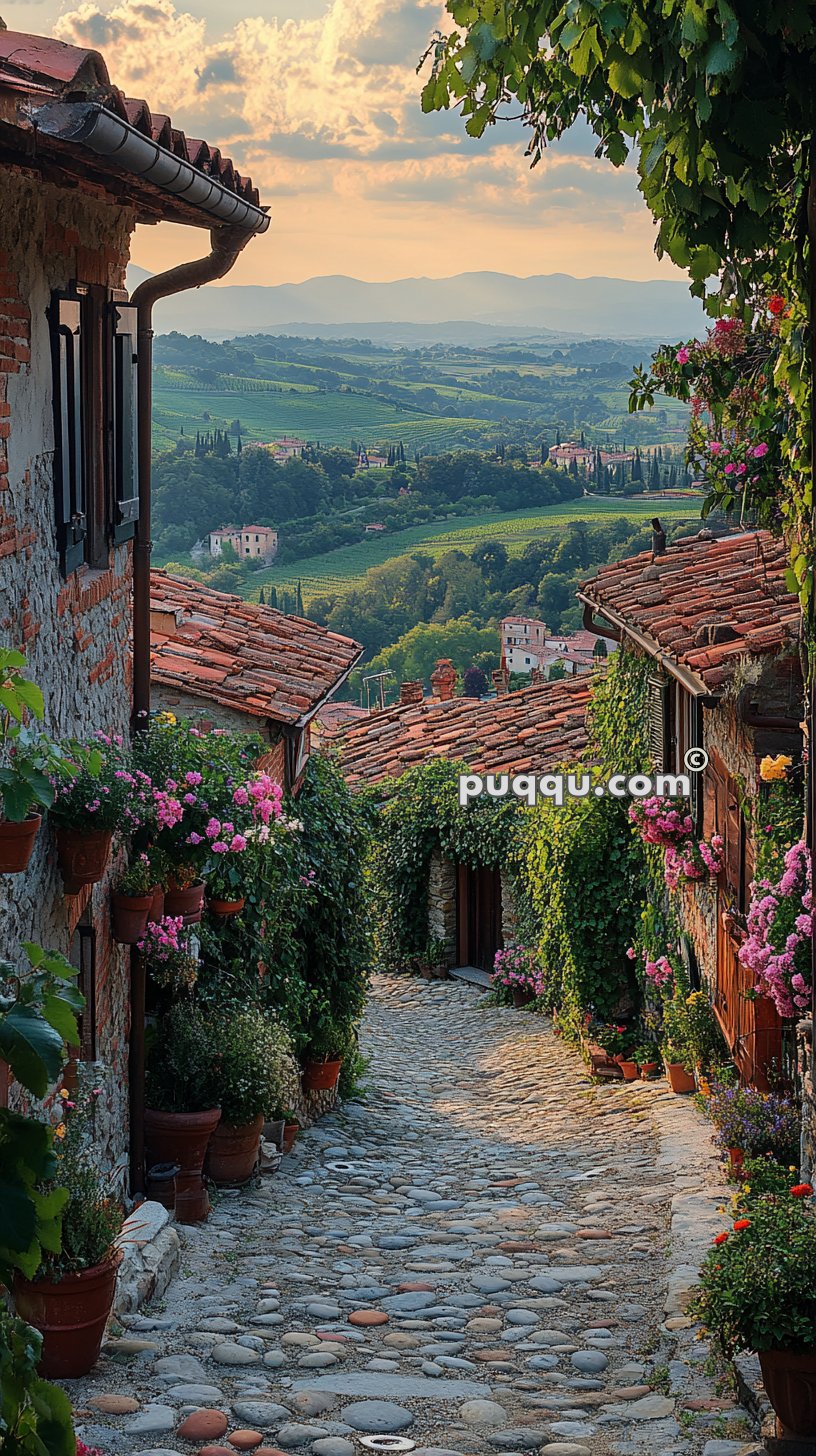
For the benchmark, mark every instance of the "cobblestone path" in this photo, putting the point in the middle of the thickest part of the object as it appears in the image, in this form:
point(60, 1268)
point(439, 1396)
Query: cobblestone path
point(487, 1254)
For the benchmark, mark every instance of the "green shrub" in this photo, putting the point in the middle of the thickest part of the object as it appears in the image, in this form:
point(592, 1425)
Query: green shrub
point(181, 1068)
point(256, 1072)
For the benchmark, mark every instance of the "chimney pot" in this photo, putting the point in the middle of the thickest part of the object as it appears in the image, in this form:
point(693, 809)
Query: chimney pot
point(412, 692)
point(443, 680)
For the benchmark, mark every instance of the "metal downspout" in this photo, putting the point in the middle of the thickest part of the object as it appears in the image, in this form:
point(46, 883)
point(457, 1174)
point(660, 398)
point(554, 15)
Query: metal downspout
point(227, 245)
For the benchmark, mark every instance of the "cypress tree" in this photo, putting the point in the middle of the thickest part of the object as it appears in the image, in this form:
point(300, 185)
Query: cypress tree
point(299, 612)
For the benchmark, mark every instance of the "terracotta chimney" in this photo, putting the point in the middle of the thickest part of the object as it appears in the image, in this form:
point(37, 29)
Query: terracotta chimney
point(443, 680)
point(412, 692)
point(501, 680)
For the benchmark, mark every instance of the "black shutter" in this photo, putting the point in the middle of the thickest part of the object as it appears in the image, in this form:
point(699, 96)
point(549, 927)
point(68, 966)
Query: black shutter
point(659, 723)
point(125, 419)
point(69, 455)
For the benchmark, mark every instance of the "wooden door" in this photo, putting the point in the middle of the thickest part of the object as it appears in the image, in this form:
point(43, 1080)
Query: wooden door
point(478, 916)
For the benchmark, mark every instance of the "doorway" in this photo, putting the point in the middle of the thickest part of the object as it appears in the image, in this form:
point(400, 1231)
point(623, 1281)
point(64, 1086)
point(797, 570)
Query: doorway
point(478, 916)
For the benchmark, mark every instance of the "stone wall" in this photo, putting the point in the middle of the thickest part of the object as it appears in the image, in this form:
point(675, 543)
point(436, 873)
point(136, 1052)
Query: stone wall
point(442, 903)
point(75, 633)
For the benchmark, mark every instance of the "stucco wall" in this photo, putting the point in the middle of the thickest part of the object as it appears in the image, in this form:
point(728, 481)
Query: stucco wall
point(74, 633)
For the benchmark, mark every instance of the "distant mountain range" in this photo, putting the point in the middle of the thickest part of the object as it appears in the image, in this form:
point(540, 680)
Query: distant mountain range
point(468, 308)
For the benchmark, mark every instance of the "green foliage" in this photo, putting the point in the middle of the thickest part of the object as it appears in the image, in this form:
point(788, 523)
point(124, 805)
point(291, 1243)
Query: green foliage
point(37, 1020)
point(179, 1072)
point(254, 1069)
point(91, 1218)
point(35, 1417)
point(28, 759)
point(583, 875)
point(423, 814)
point(757, 1284)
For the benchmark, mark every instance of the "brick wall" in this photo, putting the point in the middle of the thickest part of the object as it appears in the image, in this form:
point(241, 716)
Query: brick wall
point(75, 633)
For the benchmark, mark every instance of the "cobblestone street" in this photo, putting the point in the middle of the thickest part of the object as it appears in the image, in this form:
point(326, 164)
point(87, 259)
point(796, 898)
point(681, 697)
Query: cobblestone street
point(487, 1253)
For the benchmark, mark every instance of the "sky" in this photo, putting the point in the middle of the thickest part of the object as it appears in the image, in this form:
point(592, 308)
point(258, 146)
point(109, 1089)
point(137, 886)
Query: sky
point(318, 100)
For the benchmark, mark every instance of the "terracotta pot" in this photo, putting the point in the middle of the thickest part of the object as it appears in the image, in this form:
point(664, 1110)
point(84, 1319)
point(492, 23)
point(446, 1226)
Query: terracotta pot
point(156, 911)
point(647, 1070)
point(83, 856)
point(71, 1316)
point(17, 843)
point(521, 997)
point(321, 1076)
point(789, 1377)
point(233, 1151)
point(129, 916)
point(290, 1132)
point(679, 1079)
point(188, 903)
point(629, 1069)
point(226, 908)
point(182, 1137)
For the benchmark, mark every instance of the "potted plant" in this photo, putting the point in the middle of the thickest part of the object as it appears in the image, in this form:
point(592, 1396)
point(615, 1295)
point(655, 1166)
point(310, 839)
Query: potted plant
point(70, 1297)
point(291, 1128)
point(256, 1068)
point(516, 976)
point(132, 900)
point(757, 1293)
point(89, 805)
point(159, 877)
point(184, 895)
point(644, 1058)
point(171, 963)
point(752, 1124)
point(225, 877)
point(677, 1054)
point(629, 1067)
point(27, 763)
point(182, 1107)
point(323, 1056)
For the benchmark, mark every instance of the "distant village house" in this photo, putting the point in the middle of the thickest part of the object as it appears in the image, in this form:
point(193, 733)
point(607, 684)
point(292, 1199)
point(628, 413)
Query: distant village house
point(250, 543)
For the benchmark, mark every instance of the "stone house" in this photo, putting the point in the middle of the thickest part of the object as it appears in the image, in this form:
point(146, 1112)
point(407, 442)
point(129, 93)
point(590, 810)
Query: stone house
point(252, 543)
point(81, 166)
point(534, 731)
point(717, 621)
point(235, 664)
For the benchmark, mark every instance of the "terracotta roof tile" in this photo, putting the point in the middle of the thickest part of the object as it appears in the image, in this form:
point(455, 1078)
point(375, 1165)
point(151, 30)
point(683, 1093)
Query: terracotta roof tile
point(248, 657)
point(735, 582)
point(530, 731)
point(53, 70)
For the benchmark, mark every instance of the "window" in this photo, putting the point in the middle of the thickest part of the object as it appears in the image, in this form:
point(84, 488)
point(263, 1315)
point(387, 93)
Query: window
point(83, 956)
point(93, 344)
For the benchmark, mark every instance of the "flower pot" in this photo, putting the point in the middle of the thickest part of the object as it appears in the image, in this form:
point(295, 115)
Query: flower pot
point(233, 1151)
point(679, 1079)
point(629, 1069)
point(188, 903)
point(273, 1132)
point(290, 1132)
point(789, 1377)
point(156, 911)
point(160, 1184)
point(83, 856)
point(17, 843)
point(182, 1137)
point(225, 909)
point(129, 916)
point(71, 1316)
point(647, 1070)
point(521, 996)
point(736, 1158)
point(321, 1076)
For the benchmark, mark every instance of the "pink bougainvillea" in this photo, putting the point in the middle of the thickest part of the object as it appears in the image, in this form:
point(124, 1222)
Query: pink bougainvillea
point(780, 930)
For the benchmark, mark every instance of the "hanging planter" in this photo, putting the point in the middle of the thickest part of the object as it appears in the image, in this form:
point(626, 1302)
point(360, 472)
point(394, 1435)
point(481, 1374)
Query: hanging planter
point(187, 902)
point(17, 843)
point(83, 856)
point(129, 916)
point(226, 909)
point(156, 911)
point(71, 1316)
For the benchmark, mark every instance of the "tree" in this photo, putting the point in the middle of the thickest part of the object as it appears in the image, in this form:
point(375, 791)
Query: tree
point(474, 683)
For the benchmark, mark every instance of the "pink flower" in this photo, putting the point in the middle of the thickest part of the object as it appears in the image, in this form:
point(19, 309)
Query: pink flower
point(238, 844)
point(213, 828)
point(240, 796)
point(219, 847)
point(759, 451)
point(716, 447)
point(682, 356)
point(192, 778)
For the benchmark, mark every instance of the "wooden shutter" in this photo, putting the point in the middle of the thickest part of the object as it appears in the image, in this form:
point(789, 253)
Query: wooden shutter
point(658, 723)
point(125, 418)
point(69, 454)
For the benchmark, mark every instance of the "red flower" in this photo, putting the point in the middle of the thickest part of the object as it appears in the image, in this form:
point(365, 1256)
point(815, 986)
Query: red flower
point(742, 1223)
point(721, 1238)
point(802, 1190)
point(776, 304)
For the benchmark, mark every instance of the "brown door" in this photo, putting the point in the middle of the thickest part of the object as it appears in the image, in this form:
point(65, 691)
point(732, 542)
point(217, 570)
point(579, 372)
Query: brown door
point(478, 916)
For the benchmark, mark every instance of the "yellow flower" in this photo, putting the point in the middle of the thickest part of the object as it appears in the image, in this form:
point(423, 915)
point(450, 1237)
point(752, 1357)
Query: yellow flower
point(167, 720)
point(64, 1093)
point(60, 1130)
point(772, 769)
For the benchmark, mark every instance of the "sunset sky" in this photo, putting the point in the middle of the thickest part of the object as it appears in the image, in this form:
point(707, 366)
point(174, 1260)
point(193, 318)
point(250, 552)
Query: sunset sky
point(319, 101)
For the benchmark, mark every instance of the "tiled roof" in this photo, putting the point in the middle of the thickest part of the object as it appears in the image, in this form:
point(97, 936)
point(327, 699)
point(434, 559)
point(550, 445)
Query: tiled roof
point(47, 70)
point(248, 657)
point(706, 604)
point(532, 730)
